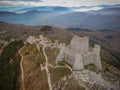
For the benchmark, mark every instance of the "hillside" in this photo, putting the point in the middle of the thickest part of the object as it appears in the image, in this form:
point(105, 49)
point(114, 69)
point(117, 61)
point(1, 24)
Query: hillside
point(36, 66)
point(39, 69)
point(9, 66)
point(18, 31)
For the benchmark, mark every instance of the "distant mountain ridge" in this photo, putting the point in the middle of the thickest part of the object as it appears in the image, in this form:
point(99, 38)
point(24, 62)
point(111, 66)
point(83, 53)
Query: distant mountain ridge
point(108, 11)
point(63, 17)
point(43, 8)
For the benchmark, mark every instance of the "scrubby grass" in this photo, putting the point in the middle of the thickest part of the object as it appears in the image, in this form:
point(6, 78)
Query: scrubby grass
point(91, 67)
point(35, 79)
point(111, 72)
point(73, 85)
point(58, 73)
point(64, 61)
point(61, 63)
point(9, 66)
point(52, 54)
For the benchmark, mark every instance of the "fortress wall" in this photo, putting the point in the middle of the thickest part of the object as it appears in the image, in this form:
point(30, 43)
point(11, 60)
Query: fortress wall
point(96, 51)
point(78, 64)
point(82, 56)
point(80, 44)
point(69, 59)
point(61, 55)
point(94, 58)
point(98, 62)
point(96, 48)
point(86, 44)
point(88, 59)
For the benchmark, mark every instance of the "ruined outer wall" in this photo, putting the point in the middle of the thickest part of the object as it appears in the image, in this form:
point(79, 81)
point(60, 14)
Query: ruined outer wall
point(69, 59)
point(97, 57)
point(61, 55)
point(80, 44)
point(93, 57)
point(89, 59)
point(78, 64)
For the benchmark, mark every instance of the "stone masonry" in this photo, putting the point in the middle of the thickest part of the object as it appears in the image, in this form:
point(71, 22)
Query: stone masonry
point(78, 54)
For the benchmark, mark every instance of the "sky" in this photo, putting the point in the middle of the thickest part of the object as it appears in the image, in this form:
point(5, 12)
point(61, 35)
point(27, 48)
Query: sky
point(19, 4)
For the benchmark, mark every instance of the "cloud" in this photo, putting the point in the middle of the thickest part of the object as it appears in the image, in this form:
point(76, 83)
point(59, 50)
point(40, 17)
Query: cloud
point(66, 3)
point(87, 9)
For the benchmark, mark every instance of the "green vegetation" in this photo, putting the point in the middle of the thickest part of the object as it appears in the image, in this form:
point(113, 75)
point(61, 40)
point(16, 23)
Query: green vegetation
point(61, 63)
point(52, 54)
point(91, 67)
point(9, 66)
point(35, 79)
point(47, 30)
point(64, 61)
point(58, 73)
point(32, 58)
point(79, 29)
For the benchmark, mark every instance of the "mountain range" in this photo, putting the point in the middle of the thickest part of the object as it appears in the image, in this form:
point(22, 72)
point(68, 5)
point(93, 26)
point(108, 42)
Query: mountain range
point(108, 18)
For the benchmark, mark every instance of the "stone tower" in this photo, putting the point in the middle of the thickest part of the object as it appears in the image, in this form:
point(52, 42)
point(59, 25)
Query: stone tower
point(80, 44)
point(78, 54)
point(97, 59)
point(78, 63)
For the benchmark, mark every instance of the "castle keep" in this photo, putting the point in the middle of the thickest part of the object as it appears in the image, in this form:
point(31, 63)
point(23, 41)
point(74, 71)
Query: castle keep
point(78, 53)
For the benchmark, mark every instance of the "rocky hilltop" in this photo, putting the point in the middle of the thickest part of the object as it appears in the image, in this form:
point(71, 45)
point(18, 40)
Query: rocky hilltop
point(42, 69)
point(51, 58)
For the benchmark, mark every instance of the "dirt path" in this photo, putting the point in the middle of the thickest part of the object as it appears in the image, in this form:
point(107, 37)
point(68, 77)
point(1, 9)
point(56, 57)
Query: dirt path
point(22, 72)
point(43, 42)
point(46, 68)
point(46, 64)
point(50, 65)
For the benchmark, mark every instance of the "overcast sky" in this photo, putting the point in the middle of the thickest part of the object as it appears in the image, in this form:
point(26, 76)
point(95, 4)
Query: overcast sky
point(67, 3)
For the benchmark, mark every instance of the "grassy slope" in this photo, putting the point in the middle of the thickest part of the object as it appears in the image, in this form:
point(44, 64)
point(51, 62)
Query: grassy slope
point(34, 77)
point(9, 66)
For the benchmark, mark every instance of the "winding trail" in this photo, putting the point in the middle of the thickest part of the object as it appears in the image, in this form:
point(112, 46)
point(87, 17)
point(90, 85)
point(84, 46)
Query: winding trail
point(50, 65)
point(22, 72)
point(46, 68)
point(46, 64)
point(45, 44)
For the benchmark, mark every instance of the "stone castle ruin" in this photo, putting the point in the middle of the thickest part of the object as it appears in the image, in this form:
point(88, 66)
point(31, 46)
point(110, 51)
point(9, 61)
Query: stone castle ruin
point(78, 53)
